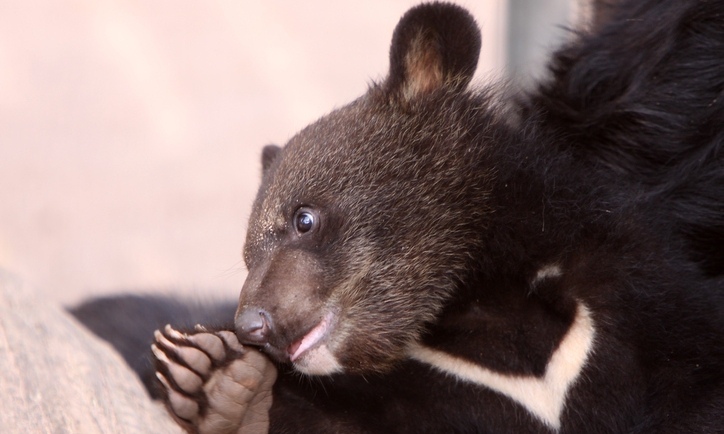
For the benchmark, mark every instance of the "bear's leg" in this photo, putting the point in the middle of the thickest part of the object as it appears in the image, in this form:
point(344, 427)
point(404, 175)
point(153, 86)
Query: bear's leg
point(212, 383)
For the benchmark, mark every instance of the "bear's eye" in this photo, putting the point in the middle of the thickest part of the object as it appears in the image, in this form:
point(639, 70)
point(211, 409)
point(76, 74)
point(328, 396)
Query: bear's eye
point(305, 220)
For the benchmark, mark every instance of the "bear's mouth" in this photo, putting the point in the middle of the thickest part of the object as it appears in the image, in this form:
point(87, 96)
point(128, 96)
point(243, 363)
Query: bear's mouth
point(312, 338)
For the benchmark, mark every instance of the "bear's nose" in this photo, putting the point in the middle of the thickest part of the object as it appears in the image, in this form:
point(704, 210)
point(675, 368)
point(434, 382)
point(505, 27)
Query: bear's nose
point(253, 326)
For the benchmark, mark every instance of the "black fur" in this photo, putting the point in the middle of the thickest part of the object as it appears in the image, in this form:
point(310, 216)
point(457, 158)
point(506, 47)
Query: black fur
point(644, 98)
point(439, 206)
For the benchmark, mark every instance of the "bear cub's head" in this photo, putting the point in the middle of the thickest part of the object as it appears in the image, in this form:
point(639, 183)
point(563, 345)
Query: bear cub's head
point(365, 221)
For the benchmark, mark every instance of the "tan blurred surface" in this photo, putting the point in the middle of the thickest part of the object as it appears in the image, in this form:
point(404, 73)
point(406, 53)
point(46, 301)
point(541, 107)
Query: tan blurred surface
point(56, 377)
point(130, 130)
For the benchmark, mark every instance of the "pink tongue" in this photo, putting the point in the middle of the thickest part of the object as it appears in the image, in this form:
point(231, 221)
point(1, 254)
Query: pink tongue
point(294, 346)
point(298, 347)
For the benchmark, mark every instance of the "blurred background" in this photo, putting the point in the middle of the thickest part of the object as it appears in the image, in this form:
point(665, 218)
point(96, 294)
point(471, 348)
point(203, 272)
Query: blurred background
point(131, 131)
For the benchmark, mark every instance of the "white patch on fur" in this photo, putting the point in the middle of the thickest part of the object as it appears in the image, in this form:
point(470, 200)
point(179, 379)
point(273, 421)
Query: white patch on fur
point(318, 361)
point(544, 397)
point(549, 271)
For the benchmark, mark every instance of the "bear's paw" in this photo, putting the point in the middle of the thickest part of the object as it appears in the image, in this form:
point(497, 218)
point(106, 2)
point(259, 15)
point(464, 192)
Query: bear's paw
point(212, 383)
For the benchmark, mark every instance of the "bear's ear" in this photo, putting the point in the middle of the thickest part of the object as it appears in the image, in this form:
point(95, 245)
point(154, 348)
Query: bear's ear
point(434, 46)
point(268, 155)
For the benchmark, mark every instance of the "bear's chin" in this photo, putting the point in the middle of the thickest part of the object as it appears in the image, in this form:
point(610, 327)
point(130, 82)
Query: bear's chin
point(318, 361)
point(311, 354)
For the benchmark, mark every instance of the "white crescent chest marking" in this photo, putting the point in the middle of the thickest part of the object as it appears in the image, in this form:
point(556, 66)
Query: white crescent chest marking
point(544, 397)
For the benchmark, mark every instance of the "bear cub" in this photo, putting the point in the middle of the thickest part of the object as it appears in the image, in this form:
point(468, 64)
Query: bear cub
point(435, 257)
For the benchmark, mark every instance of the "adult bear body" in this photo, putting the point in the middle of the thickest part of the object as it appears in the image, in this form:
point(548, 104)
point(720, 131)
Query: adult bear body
point(440, 259)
